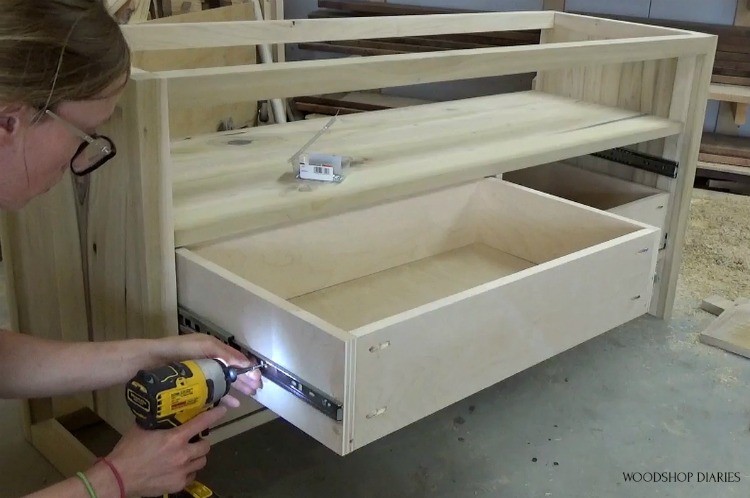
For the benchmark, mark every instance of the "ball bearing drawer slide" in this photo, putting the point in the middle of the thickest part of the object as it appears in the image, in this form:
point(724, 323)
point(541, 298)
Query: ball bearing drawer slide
point(191, 323)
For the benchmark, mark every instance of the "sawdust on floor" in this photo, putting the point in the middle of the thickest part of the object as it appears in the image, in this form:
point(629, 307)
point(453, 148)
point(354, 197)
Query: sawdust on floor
point(716, 258)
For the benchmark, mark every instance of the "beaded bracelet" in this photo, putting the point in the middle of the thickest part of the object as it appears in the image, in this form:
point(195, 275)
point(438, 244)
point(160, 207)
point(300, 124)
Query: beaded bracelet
point(86, 483)
point(117, 475)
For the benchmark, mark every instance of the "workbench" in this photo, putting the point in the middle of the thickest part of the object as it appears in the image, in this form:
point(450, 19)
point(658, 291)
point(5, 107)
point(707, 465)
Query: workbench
point(488, 233)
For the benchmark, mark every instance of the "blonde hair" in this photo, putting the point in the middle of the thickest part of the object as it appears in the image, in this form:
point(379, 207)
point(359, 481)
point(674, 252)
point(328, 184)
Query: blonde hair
point(58, 50)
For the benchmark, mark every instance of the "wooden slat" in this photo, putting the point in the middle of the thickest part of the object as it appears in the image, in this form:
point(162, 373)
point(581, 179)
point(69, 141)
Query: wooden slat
point(714, 158)
point(730, 331)
point(725, 145)
point(611, 27)
point(374, 8)
point(260, 82)
point(197, 119)
point(731, 80)
point(729, 93)
point(228, 34)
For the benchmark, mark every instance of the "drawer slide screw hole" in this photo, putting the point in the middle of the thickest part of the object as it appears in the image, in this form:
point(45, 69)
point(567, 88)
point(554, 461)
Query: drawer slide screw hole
point(380, 346)
point(376, 413)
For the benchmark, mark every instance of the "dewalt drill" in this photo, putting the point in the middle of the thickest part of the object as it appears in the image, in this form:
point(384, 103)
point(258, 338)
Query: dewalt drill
point(170, 395)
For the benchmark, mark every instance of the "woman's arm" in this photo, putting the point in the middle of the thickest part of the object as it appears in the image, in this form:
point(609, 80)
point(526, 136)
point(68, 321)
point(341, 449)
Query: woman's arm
point(31, 367)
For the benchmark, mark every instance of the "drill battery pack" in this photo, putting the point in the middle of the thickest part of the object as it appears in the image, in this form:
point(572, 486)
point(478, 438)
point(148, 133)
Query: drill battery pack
point(194, 490)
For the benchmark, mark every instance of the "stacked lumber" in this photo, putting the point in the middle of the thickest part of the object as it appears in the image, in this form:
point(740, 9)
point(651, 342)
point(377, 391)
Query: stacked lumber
point(390, 46)
point(725, 149)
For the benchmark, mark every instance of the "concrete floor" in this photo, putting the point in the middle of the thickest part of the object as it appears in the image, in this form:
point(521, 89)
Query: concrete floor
point(644, 397)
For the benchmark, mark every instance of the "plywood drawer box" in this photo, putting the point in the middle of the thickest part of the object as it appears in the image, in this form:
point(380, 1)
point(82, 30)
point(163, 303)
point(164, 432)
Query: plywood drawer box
point(371, 306)
point(629, 199)
point(358, 295)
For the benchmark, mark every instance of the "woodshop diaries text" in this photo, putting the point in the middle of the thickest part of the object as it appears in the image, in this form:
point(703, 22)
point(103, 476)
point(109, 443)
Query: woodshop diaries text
point(658, 477)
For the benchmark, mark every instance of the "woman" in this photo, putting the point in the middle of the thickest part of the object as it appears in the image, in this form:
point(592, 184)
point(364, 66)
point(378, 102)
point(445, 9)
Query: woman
point(63, 65)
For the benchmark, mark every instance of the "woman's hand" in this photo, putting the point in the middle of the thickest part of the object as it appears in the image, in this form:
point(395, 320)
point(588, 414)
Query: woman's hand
point(197, 346)
point(156, 462)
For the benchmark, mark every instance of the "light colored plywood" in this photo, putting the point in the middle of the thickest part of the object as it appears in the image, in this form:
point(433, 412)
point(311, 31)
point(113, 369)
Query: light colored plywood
point(143, 37)
point(363, 73)
point(277, 330)
point(303, 258)
point(358, 302)
point(651, 210)
point(397, 152)
point(630, 200)
point(716, 305)
point(730, 331)
point(515, 322)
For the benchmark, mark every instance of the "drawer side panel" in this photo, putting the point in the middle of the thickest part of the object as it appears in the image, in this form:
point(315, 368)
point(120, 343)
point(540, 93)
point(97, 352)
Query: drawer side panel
point(494, 331)
point(307, 347)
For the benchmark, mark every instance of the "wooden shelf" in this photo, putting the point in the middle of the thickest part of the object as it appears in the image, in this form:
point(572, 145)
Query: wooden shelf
point(738, 97)
point(222, 189)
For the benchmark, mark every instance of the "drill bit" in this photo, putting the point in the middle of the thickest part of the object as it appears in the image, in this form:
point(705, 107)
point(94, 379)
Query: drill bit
point(234, 372)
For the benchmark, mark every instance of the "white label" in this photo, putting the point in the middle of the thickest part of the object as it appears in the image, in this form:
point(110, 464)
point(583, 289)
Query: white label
point(316, 172)
point(320, 167)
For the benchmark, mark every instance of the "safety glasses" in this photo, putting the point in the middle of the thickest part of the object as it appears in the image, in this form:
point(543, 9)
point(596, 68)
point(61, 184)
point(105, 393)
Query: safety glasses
point(93, 152)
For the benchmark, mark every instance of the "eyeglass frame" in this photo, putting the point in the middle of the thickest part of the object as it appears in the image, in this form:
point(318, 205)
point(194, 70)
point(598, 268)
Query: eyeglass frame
point(87, 140)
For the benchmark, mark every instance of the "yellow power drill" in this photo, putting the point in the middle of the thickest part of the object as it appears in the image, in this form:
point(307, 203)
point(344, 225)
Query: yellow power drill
point(170, 395)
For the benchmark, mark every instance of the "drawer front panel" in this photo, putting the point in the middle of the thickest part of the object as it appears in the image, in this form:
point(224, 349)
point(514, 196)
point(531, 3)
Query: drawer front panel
point(304, 345)
point(441, 353)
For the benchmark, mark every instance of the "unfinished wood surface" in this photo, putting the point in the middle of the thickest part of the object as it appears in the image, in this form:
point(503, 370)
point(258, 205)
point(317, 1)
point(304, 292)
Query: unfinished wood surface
point(275, 329)
point(640, 86)
point(716, 305)
point(394, 153)
point(730, 93)
point(599, 28)
point(47, 297)
point(493, 234)
point(725, 145)
point(340, 248)
point(691, 104)
point(514, 322)
point(356, 303)
point(631, 200)
point(293, 79)
point(61, 448)
point(724, 168)
point(131, 261)
point(143, 37)
point(730, 331)
point(198, 117)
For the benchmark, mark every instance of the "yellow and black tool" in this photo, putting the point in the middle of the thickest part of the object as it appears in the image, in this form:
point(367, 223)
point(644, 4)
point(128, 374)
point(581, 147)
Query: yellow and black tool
point(170, 395)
